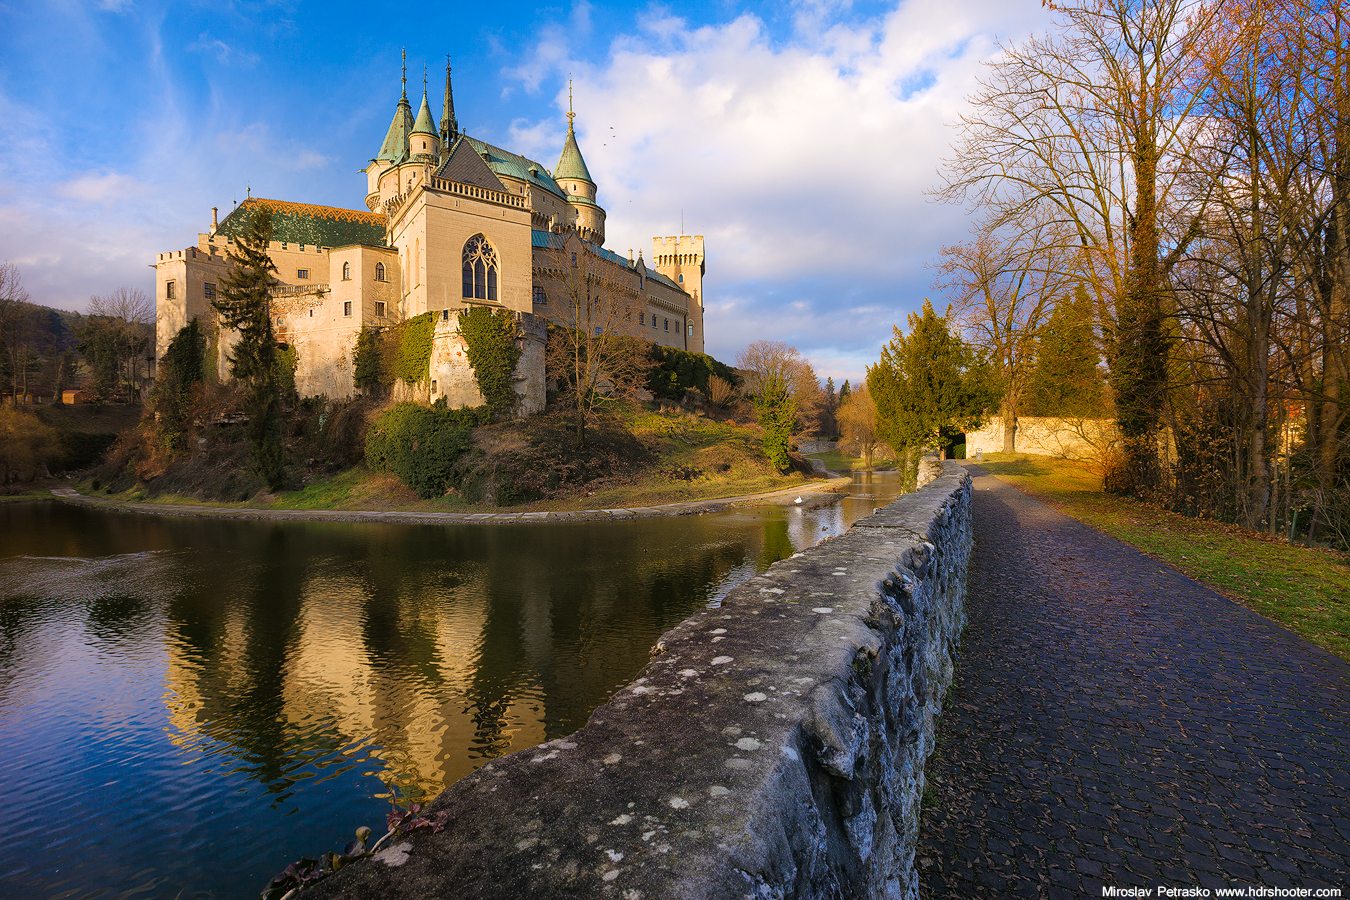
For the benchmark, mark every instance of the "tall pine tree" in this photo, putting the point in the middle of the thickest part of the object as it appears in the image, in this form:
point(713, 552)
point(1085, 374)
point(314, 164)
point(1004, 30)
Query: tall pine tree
point(1066, 381)
point(244, 304)
point(928, 385)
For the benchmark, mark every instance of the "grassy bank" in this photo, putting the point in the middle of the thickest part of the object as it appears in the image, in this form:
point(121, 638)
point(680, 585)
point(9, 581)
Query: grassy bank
point(637, 456)
point(838, 462)
point(1304, 589)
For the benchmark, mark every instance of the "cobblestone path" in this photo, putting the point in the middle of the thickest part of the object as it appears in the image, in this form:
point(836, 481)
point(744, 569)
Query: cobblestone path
point(1113, 723)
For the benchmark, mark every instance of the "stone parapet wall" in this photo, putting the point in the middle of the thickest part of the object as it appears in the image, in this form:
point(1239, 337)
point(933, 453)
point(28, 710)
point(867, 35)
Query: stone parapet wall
point(773, 747)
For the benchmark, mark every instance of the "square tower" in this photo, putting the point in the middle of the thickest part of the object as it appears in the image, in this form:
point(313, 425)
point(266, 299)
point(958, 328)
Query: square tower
point(681, 260)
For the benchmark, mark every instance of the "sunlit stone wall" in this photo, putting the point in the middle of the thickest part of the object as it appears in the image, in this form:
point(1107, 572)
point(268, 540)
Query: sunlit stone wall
point(773, 747)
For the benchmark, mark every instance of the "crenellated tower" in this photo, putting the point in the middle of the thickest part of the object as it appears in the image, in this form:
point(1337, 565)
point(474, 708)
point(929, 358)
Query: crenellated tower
point(681, 259)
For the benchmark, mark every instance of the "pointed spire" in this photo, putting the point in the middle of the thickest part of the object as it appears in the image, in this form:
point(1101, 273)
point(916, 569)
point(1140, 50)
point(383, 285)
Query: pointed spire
point(425, 124)
point(570, 164)
point(395, 147)
point(449, 127)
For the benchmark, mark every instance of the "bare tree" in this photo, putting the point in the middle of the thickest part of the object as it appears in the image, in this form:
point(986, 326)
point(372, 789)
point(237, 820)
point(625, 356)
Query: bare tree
point(780, 381)
point(116, 336)
point(18, 322)
point(857, 418)
point(1091, 132)
point(1003, 287)
point(594, 360)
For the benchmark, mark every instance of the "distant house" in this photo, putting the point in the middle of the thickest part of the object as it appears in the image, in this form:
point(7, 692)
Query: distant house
point(72, 397)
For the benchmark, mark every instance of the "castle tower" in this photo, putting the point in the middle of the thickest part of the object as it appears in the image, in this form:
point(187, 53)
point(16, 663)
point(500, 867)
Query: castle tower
point(424, 141)
point(394, 151)
point(681, 259)
point(575, 179)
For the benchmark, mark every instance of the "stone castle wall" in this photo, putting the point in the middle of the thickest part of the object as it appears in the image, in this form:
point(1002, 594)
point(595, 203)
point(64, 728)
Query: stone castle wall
point(1046, 436)
point(773, 747)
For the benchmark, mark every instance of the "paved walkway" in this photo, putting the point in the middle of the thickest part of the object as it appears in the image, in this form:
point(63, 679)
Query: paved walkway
point(812, 494)
point(1113, 723)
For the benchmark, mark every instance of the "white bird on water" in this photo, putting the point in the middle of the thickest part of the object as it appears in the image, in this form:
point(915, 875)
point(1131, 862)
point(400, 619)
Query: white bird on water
point(798, 500)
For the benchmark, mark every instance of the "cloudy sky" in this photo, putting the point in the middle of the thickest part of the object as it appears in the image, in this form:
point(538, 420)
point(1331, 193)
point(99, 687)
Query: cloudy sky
point(798, 137)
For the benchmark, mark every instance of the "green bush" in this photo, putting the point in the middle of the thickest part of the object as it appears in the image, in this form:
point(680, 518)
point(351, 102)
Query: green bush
point(421, 444)
point(675, 371)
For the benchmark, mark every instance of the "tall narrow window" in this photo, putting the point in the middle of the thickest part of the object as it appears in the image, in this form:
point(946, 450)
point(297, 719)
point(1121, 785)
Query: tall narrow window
point(480, 269)
point(170, 289)
point(346, 271)
point(379, 272)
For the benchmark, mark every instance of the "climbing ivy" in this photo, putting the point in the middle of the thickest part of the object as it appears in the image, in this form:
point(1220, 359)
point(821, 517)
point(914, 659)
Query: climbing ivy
point(490, 338)
point(414, 353)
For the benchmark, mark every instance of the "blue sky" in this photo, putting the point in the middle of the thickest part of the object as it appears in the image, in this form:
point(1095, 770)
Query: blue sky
point(798, 138)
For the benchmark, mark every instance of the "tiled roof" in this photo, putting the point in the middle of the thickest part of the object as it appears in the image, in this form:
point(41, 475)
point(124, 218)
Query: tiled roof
point(513, 165)
point(548, 241)
point(305, 223)
point(466, 166)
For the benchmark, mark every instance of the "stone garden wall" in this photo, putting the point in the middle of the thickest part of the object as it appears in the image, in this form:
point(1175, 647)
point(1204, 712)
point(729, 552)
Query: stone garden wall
point(773, 747)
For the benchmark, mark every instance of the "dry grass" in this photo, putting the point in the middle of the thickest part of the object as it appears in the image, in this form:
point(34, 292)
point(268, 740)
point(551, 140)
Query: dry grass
point(1306, 590)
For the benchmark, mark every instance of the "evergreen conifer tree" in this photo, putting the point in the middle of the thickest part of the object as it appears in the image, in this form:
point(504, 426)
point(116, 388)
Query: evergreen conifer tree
point(1066, 381)
point(928, 385)
point(244, 304)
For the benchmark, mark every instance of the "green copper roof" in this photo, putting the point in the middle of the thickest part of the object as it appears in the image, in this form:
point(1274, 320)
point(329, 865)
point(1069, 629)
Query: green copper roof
point(304, 223)
point(570, 164)
point(513, 165)
point(395, 149)
point(547, 241)
point(424, 124)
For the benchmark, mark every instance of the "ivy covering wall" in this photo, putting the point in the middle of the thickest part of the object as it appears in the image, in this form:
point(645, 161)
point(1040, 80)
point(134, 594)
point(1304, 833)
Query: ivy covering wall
point(413, 362)
point(490, 340)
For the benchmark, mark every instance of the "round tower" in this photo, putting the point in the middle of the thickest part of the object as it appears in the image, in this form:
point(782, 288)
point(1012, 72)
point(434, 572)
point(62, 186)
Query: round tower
point(381, 179)
point(575, 179)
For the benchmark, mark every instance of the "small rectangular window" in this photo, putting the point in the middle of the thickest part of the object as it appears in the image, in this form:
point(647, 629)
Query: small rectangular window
point(667, 321)
point(302, 273)
point(209, 290)
point(379, 308)
point(283, 245)
point(347, 308)
point(170, 290)
point(642, 318)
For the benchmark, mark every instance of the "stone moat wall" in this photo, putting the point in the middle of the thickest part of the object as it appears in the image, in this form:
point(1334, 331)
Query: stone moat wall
point(773, 747)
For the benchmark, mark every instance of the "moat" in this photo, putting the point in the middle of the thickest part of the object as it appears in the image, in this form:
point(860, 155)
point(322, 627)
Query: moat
point(191, 704)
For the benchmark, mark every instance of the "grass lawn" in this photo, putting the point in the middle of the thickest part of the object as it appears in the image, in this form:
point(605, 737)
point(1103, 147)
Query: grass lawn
point(838, 462)
point(1304, 589)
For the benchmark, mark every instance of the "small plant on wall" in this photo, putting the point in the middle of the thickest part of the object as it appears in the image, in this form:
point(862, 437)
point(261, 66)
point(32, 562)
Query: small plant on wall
point(490, 340)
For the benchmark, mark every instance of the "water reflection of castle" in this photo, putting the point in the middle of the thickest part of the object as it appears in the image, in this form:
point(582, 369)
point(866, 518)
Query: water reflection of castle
point(406, 644)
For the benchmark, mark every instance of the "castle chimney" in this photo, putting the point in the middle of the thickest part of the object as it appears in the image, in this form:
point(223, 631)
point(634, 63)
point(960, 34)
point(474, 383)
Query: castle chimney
point(214, 224)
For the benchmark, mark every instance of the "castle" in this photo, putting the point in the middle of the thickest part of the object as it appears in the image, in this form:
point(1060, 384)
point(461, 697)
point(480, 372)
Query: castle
point(450, 222)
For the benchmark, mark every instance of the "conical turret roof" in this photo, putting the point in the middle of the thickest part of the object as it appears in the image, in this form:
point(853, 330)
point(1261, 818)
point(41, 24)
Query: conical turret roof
point(395, 148)
point(570, 164)
point(425, 124)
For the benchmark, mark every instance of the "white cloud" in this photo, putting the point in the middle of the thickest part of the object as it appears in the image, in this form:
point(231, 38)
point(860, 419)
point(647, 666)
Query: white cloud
point(804, 164)
point(101, 187)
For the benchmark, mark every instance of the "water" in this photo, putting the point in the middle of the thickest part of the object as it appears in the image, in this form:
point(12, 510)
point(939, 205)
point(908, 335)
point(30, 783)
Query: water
point(188, 705)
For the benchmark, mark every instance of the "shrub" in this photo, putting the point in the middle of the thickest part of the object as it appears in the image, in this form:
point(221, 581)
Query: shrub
point(421, 444)
point(674, 371)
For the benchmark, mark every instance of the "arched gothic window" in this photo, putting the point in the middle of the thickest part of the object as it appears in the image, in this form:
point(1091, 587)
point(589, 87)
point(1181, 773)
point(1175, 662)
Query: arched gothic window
point(346, 271)
point(480, 269)
point(379, 272)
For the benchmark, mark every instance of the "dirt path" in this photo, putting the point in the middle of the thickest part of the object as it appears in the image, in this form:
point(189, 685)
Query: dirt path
point(1115, 724)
